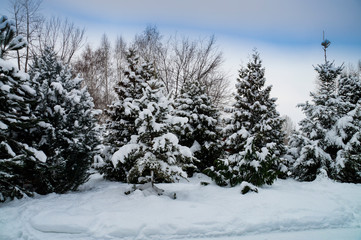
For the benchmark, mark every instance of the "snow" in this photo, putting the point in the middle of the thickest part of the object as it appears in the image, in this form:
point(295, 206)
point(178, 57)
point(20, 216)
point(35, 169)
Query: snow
point(123, 152)
point(243, 132)
point(255, 164)
point(185, 151)
point(263, 154)
point(74, 95)
point(162, 142)
point(22, 75)
point(57, 86)
point(3, 125)
point(8, 149)
point(17, 42)
point(5, 88)
point(15, 97)
point(178, 120)
point(40, 155)
point(44, 124)
point(169, 136)
point(320, 210)
point(59, 109)
point(28, 89)
point(7, 65)
point(195, 147)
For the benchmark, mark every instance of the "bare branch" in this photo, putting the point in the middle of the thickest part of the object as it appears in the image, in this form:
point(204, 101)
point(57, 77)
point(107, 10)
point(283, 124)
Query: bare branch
point(179, 60)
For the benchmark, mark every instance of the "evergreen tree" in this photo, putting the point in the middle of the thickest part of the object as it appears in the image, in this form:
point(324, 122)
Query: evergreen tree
point(346, 133)
point(121, 125)
point(8, 40)
point(153, 155)
point(19, 161)
point(68, 133)
point(201, 133)
point(349, 88)
point(254, 137)
point(319, 150)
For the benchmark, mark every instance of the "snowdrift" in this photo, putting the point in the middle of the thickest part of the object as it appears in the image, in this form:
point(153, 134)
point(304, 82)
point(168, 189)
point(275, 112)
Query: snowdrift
point(322, 209)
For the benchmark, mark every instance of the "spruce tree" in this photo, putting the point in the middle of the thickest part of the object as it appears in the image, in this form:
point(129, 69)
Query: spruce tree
point(8, 40)
point(68, 133)
point(201, 133)
point(153, 155)
point(318, 152)
point(346, 133)
point(19, 161)
point(121, 124)
point(254, 139)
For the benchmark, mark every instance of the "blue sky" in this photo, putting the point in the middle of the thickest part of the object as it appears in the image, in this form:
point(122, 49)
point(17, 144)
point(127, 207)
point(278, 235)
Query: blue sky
point(276, 21)
point(287, 33)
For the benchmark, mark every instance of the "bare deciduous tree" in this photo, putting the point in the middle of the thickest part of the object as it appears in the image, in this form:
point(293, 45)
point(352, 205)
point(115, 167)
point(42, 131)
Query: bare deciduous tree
point(105, 62)
point(60, 34)
point(178, 60)
point(96, 68)
point(288, 128)
point(120, 49)
point(63, 36)
point(28, 21)
point(86, 65)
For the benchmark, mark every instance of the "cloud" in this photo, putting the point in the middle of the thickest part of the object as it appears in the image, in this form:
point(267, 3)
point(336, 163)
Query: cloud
point(276, 20)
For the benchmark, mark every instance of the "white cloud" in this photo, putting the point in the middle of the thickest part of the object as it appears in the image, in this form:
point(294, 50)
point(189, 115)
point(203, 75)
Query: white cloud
point(284, 18)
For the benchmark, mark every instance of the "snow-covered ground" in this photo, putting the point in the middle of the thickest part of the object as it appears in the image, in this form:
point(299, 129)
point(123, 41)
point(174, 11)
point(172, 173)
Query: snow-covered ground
point(319, 210)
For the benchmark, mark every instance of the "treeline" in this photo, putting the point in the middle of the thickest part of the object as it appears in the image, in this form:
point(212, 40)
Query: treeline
point(163, 121)
point(176, 60)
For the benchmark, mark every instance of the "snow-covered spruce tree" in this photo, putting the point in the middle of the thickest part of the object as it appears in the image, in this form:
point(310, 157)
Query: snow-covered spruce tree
point(153, 153)
point(201, 133)
point(318, 152)
point(69, 131)
point(254, 137)
point(346, 133)
point(121, 125)
point(18, 159)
